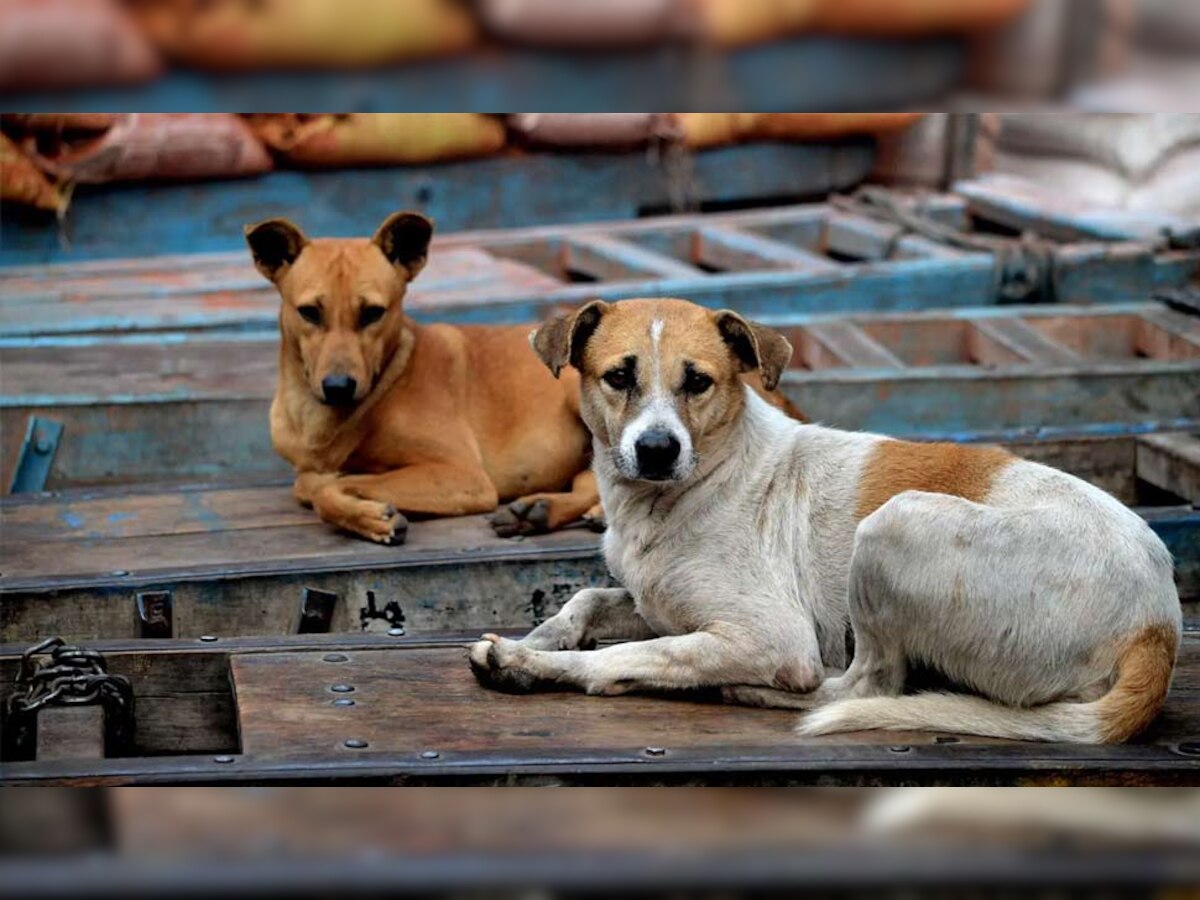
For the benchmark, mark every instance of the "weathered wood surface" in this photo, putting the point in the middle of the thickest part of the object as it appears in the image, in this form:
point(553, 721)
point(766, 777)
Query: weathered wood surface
point(512, 190)
point(807, 258)
point(423, 718)
point(185, 406)
point(236, 560)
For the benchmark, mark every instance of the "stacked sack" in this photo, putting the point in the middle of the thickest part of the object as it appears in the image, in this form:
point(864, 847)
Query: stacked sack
point(69, 43)
point(1128, 161)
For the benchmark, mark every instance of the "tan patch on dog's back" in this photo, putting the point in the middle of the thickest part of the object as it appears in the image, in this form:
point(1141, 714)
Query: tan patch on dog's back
point(893, 467)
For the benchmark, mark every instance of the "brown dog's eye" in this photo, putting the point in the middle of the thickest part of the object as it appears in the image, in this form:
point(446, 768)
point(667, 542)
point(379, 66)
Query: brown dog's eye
point(310, 313)
point(369, 315)
point(618, 379)
point(696, 382)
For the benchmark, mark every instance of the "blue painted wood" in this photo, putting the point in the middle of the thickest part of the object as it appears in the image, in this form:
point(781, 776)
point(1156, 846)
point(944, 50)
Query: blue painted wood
point(36, 457)
point(816, 73)
point(506, 191)
point(194, 405)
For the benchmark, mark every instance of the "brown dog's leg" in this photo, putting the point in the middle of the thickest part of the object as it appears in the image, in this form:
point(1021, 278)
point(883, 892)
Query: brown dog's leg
point(373, 505)
point(537, 513)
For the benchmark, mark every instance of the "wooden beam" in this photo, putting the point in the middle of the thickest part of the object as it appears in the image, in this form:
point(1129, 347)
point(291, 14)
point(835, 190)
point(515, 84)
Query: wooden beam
point(1026, 341)
point(864, 238)
point(1171, 462)
point(853, 346)
point(611, 259)
point(732, 249)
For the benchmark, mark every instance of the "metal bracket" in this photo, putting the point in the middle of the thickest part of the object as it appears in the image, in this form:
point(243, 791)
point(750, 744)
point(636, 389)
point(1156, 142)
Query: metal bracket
point(155, 612)
point(316, 611)
point(42, 437)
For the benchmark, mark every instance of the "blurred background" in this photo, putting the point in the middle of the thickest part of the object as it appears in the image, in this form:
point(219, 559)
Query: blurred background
point(595, 55)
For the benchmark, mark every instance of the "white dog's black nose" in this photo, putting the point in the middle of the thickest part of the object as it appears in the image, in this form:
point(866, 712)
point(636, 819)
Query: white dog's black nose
point(657, 450)
point(338, 389)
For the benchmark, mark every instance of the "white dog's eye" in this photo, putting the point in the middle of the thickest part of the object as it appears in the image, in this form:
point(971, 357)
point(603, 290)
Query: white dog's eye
point(696, 382)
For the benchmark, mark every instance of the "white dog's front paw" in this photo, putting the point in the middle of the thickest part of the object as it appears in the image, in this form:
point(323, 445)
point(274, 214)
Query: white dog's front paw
point(503, 665)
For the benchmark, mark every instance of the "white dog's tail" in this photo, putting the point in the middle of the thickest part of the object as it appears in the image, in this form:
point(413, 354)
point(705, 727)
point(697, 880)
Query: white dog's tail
point(1137, 695)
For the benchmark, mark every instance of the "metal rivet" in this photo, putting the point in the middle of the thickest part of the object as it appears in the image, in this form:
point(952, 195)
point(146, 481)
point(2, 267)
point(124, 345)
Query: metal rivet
point(1188, 748)
point(355, 744)
point(342, 688)
point(430, 754)
point(656, 751)
point(42, 446)
point(900, 748)
point(335, 657)
point(119, 573)
point(208, 638)
point(343, 701)
point(396, 632)
point(945, 739)
point(222, 759)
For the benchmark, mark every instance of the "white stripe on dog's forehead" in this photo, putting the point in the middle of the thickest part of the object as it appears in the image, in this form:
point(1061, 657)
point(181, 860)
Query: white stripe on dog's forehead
point(656, 330)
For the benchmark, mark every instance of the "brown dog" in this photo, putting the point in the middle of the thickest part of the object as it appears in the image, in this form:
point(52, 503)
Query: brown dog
point(383, 418)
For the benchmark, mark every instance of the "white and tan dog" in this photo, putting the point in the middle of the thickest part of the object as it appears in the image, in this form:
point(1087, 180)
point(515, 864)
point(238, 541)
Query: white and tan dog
point(748, 544)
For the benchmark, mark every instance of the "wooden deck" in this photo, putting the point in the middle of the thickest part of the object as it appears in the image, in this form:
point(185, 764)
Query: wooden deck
point(237, 561)
point(264, 711)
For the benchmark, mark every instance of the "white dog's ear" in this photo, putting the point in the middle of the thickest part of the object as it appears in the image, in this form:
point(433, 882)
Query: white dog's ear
point(274, 244)
point(755, 346)
point(562, 340)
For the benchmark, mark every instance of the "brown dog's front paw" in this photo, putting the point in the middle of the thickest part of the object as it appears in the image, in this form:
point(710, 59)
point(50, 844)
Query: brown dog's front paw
point(522, 517)
point(382, 523)
point(502, 665)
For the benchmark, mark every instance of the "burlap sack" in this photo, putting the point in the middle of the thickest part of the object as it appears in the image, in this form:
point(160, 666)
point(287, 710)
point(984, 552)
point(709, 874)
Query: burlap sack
point(59, 121)
point(71, 43)
point(378, 139)
point(264, 34)
point(141, 146)
point(701, 130)
point(733, 23)
point(21, 182)
point(1129, 144)
point(582, 130)
point(581, 23)
point(914, 17)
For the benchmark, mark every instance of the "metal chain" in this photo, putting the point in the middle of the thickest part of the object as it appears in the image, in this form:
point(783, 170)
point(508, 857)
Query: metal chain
point(70, 676)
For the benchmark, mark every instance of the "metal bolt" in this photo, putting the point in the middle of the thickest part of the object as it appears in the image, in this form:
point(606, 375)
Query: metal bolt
point(430, 754)
point(222, 759)
point(900, 748)
point(342, 688)
point(396, 632)
point(656, 751)
point(343, 701)
point(208, 638)
point(42, 446)
point(1189, 748)
point(335, 657)
point(945, 739)
point(119, 573)
point(355, 744)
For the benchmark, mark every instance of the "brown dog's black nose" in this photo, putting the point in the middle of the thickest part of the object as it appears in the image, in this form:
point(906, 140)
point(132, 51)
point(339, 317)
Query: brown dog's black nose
point(657, 449)
point(338, 389)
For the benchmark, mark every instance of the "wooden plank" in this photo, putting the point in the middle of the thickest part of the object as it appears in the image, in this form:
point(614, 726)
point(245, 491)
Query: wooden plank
point(70, 732)
point(863, 238)
point(851, 345)
point(506, 191)
point(611, 259)
point(1026, 341)
point(1171, 462)
point(733, 249)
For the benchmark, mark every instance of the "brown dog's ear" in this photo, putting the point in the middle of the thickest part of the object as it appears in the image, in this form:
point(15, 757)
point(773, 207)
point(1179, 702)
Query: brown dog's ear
point(755, 346)
point(275, 244)
point(404, 240)
point(562, 339)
